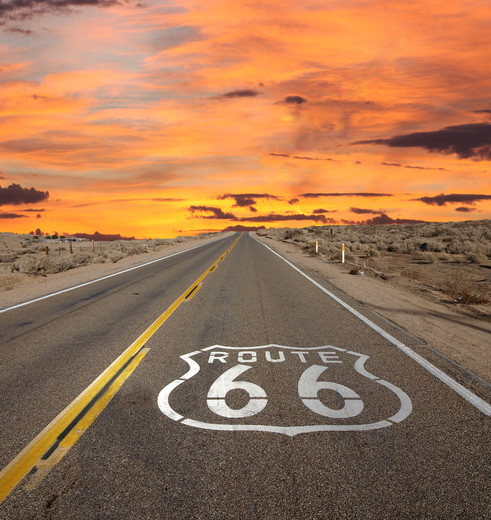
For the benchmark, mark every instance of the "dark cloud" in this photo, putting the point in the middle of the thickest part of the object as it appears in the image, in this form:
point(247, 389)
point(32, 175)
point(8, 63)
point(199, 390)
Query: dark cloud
point(296, 100)
point(412, 167)
point(485, 111)
point(360, 211)
point(385, 219)
point(320, 210)
point(211, 213)
point(11, 215)
point(40, 210)
point(26, 9)
point(15, 194)
point(18, 30)
point(239, 227)
point(293, 201)
point(241, 93)
point(455, 198)
point(469, 141)
point(301, 157)
point(273, 217)
point(361, 194)
point(244, 200)
point(463, 209)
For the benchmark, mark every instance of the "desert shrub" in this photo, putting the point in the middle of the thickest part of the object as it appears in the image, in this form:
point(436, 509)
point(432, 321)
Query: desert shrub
point(7, 282)
point(82, 258)
point(444, 257)
point(42, 265)
point(373, 253)
point(7, 257)
point(115, 256)
point(463, 290)
point(291, 233)
point(414, 274)
point(436, 246)
point(99, 259)
point(476, 257)
point(65, 263)
point(425, 257)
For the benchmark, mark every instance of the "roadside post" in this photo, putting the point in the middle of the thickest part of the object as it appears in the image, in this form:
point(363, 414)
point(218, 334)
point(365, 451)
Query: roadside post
point(342, 254)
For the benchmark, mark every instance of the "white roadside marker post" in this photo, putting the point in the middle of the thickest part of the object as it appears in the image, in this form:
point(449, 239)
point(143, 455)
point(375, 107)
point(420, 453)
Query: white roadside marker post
point(342, 255)
point(316, 246)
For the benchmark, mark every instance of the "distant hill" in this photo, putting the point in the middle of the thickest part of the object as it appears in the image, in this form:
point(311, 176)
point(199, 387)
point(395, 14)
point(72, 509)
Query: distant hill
point(101, 237)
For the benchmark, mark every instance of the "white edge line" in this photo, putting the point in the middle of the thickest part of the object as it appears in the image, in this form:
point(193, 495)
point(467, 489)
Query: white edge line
point(476, 401)
point(103, 278)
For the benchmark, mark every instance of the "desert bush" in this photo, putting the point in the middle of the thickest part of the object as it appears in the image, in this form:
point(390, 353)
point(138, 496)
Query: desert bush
point(115, 256)
point(425, 257)
point(42, 265)
point(463, 290)
point(7, 257)
point(476, 257)
point(445, 257)
point(7, 282)
point(414, 274)
point(373, 253)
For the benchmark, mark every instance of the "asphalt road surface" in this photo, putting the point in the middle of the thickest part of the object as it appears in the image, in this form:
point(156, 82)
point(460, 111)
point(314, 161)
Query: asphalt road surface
point(223, 384)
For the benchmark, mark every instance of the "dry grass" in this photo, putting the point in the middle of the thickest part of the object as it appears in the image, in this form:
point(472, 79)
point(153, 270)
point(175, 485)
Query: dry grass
point(29, 257)
point(452, 258)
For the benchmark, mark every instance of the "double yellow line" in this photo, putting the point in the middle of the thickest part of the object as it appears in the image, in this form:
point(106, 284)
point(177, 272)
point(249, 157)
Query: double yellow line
point(52, 444)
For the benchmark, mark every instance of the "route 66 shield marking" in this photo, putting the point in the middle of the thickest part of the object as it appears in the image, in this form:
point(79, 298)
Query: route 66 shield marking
point(280, 389)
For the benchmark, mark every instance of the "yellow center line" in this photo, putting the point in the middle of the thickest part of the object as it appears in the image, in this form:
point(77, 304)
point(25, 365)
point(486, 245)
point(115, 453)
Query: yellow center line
point(60, 435)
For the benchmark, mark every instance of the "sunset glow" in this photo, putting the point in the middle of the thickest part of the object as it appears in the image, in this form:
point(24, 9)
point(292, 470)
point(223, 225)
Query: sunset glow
point(160, 118)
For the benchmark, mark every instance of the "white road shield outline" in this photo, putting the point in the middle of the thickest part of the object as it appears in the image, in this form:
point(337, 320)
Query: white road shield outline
point(194, 368)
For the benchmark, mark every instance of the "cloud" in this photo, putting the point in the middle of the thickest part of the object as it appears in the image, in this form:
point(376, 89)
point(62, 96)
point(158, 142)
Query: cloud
point(15, 194)
point(469, 141)
point(361, 194)
point(18, 30)
point(40, 210)
point(301, 157)
point(217, 213)
point(321, 210)
point(463, 209)
point(484, 111)
point(273, 217)
point(412, 167)
point(384, 219)
point(293, 201)
point(442, 199)
point(296, 100)
point(244, 200)
point(360, 211)
point(27, 9)
point(11, 216)
point(241, 93)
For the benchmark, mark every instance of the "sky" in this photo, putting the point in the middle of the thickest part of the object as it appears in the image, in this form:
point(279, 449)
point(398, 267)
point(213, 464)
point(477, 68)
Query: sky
point(162, 118)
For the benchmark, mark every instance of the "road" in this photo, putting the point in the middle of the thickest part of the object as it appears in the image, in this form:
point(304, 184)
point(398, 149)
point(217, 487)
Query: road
point(222, 383)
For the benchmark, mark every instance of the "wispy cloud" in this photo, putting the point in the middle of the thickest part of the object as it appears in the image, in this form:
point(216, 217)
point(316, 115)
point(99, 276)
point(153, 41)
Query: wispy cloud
point(10, 216)
point(397, 165)
point(342, 194)
point(301, 157)
point(454, 198)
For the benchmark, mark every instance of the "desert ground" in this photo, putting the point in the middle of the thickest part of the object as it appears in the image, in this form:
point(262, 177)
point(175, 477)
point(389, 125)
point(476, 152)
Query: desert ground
point(432, 280)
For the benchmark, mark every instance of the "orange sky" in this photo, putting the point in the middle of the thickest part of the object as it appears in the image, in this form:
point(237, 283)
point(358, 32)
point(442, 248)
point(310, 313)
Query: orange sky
point(159, 118)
